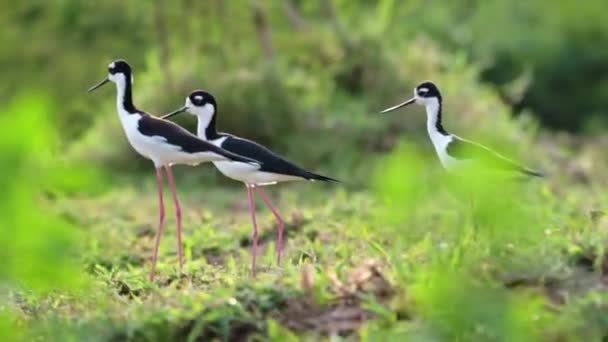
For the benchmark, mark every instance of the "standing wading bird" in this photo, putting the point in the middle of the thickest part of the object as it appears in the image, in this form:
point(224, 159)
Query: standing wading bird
point(272, 169)
point(161, 141)
point(454, 151)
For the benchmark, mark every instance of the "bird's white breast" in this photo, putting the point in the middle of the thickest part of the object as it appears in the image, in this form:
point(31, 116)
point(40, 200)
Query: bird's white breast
point(441, 147)
point(440, 143)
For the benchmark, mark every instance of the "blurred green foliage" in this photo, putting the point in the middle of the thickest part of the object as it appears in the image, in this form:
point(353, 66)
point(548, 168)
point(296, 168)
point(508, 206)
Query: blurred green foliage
point(38, 246)
point(294, 61)
point(40, 250)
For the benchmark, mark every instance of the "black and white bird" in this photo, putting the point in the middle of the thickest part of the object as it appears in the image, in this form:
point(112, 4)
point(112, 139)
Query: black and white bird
point(161, 141)
point(454, 151)
point(272, 169)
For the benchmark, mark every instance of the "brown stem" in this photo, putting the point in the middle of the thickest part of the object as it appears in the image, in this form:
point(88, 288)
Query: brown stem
point(330, 13)
point(263, 31)
point(293, 14)
point(160, 22)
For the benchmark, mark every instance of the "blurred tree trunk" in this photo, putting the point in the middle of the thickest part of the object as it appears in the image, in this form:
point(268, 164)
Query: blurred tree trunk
point(222, 7)
point(263, 31)
point(293, 14)
point(221, 20)
point(186, 33)
point(160, 22)
point(330, 14)
point(264, 34)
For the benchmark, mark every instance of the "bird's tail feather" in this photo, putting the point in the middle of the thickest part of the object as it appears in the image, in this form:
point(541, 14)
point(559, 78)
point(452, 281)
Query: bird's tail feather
point(532, 173)
point(316, 177)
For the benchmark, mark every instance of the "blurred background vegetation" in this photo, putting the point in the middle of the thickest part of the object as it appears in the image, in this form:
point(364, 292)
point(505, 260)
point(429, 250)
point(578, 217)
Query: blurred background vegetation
point(311, 66)
point(304, 77)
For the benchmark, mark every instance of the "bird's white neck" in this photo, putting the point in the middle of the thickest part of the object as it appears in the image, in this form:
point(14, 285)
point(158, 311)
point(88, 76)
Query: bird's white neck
point(124, 98)
point(201, 128)
point(206, 122)
point(439, 137)
point(433, 117)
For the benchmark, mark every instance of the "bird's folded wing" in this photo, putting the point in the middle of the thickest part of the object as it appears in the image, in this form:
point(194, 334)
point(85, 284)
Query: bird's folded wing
point(270, 161)
point(467, 150)
point(178, 136)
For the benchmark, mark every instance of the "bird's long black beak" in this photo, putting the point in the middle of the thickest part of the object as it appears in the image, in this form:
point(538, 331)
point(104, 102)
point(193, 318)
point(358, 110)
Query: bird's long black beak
point(408, 102)
point(104, 81)
point(175, 112)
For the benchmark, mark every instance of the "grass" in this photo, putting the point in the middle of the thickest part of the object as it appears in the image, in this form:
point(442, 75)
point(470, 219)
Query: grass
point(408, 256)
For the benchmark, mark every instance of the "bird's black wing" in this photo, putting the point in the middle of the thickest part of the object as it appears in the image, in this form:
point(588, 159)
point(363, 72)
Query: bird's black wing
point(270, 161)
point(466, 150)
point(178, 136)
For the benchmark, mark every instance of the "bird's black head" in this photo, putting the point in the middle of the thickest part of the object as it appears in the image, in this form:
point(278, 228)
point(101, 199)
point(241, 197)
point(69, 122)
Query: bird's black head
point(200, 98)
point(426, 93)
point(119, 66)
point(199, 103)
point(427, 89)
point(119, 72)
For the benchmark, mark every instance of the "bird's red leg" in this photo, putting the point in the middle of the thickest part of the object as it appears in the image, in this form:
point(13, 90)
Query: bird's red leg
point(254, 248)
point(159, 176)
point(279, 246)
point(178, 214)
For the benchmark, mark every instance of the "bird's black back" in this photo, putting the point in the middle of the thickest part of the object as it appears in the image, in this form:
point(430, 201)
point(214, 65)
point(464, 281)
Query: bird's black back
point(176, 135)
point(271, 162)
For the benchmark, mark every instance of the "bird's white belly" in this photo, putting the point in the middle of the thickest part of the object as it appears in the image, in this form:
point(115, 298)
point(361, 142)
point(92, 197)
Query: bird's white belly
point(448, 162)
point(440, 142)
point(250, 174)
point(452, 164)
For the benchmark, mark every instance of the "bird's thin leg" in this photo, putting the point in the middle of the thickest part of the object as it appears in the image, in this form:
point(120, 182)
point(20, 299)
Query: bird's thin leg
point(178, 214)
point(254, 247)
point(159, 176)
point(279, 246)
